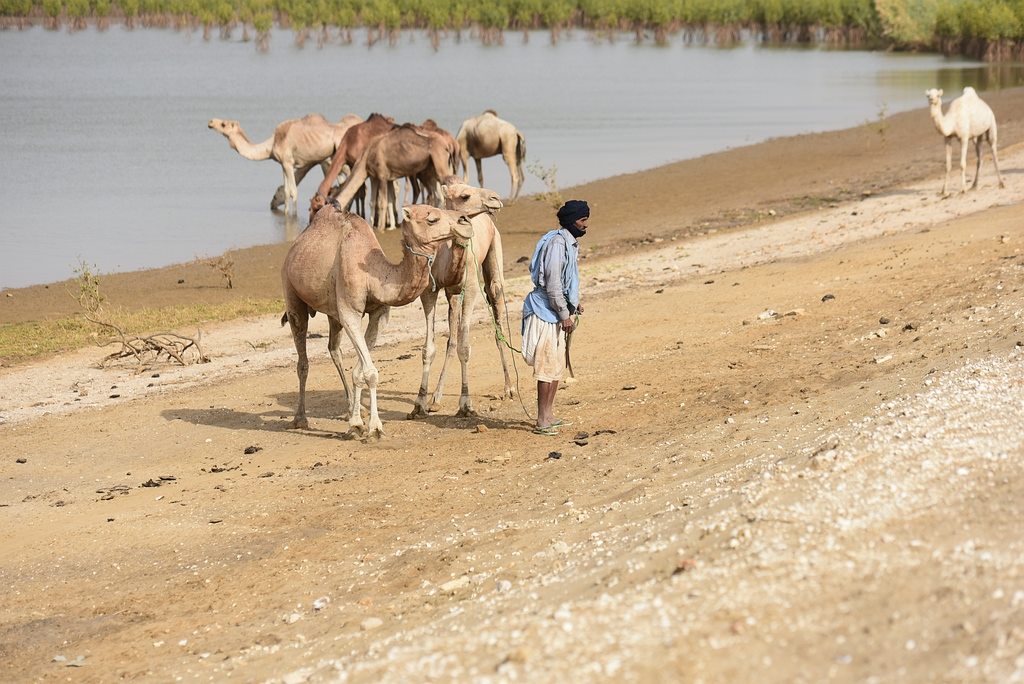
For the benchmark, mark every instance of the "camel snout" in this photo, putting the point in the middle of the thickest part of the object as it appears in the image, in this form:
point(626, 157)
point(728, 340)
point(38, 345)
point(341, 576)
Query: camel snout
point(463, 227)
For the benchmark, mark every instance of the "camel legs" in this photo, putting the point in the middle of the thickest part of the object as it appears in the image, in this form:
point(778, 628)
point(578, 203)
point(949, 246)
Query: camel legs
point(281, 195)
point(479, 170)
point(513, 169)
point(964, 144)
point(334, 349)
point(494, 284)
point(458, 320)
point(429, 301)
point(977, 165)
point(364, 373)
point(949, 165)
point(291, 190)
point(298, 321)
point(995, 158)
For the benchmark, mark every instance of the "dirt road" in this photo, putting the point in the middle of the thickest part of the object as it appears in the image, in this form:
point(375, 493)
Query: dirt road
point(795, 455)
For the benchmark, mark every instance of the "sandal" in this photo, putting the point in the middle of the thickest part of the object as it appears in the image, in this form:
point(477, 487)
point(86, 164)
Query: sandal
point(560, 423)
point(548, 431)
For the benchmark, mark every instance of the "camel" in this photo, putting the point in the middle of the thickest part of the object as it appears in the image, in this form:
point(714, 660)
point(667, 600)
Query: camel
point(297, 145)
point(481, 274)
point(405, 151)
point(486, 136)
point(350, 149)
point(336, 266)
point(969, 119)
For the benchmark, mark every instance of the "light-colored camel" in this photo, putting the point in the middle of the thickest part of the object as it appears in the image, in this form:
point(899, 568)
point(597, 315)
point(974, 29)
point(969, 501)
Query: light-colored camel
point(350, 149)
point(971, 120)
point(337, 267)
point(405, 151)
point(486, 136)
point(297, 145)
point(479, 274)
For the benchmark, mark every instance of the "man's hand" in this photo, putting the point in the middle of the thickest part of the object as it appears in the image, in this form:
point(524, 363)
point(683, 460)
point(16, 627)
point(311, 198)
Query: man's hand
point(568, 325)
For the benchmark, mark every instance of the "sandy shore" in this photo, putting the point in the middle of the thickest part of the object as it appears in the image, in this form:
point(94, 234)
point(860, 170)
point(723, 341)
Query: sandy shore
point(795, 455)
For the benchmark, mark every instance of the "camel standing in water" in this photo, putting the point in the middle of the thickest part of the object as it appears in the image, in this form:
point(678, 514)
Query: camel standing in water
point(486, 136)
point(405, 151)
point(337, 267)
point(479, 274)
point(297, 145)
point(970, 120)
point(350, 149)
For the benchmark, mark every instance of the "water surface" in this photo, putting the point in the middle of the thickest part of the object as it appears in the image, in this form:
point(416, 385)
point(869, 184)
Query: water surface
point(108, 161)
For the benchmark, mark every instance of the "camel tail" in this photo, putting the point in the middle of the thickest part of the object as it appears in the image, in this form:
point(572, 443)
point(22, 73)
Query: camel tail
point(521, 155)
point(284, 318)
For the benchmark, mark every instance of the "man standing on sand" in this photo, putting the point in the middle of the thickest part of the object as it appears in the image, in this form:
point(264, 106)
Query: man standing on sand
point(548, 309)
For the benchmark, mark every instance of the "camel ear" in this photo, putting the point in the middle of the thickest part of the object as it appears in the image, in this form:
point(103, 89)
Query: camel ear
point(445, 191)
point(940, 92)
point(405, 214)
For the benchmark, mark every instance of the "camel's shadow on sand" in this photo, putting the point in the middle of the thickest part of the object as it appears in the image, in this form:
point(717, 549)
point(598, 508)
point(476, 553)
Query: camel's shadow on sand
point(328, 415)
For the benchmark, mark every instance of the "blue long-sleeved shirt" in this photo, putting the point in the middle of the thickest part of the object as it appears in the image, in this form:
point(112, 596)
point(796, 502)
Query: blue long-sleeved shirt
point(554, 270)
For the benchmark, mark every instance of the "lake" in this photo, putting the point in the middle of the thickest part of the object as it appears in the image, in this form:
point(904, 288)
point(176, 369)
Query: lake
point(108, 160)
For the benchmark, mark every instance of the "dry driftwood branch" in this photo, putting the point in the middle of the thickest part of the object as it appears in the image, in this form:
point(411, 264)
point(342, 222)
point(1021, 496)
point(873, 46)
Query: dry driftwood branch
point(151, 348)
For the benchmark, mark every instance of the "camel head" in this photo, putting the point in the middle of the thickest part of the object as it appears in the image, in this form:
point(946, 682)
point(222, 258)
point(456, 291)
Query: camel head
point(934, 96)
point(459, 196)
point(226, 127)
point(424, 225)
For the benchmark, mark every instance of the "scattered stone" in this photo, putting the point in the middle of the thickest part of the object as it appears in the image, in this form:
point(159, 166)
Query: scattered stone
point(884, 320)
point(269, 473)
point(708, 282)
point(604, 432)
point(181, 281)
point(883, 359)
point(504, 586)
point(554, 455)
point(152, 483)
point(215, 521)
point(481, 428)
point(21, 460)
point(371, 624)
point(115, 396)
point(560, 547)
point(767, 315)
point(828, 298)
point(910, 326)
point(520, 260)
point(730, 420)
point(684, 565)
point(581, 435)
point(404, 357)
point(455, 584)
point(253, 449)
point(795, 312)
point(293, 618)
point(659, 291)
point(321, 603)
point(629, 387)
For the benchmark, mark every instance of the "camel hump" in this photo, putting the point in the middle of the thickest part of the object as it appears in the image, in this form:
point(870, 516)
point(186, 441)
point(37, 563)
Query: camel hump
point(970, 92)
point(491, 112)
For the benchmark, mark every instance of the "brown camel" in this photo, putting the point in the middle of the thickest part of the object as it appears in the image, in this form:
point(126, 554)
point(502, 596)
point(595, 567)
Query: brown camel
point(970, 120)
point(480, 274)
point(336, 266)
point(297, 145)
point(486, 136)
point(350, 149)
point(405, 151)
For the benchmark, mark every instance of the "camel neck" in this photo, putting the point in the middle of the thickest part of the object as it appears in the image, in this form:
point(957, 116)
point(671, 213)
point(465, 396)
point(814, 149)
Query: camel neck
point(241, 143)
point(403, 282)
point(941, 120)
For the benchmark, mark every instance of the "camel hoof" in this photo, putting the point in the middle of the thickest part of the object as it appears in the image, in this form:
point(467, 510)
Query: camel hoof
point(466, 412)
point(299, 424)
point(417, 412)
point(374, 435)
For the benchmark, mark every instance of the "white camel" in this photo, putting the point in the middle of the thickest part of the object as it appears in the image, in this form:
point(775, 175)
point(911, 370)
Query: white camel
point(464, 280)
point(297, 145)
point(971, 120)
point(337, 267)
point(486, 136)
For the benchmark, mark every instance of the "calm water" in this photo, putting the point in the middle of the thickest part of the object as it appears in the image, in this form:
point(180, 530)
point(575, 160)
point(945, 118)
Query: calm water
point(107, 158)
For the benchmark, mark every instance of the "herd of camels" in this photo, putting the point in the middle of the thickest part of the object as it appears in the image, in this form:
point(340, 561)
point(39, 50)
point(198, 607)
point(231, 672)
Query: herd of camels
point(337, 267)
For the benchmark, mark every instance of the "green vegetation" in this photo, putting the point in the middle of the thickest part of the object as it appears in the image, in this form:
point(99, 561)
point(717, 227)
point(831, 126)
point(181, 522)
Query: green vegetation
point(23, 341)
point(990, 29)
